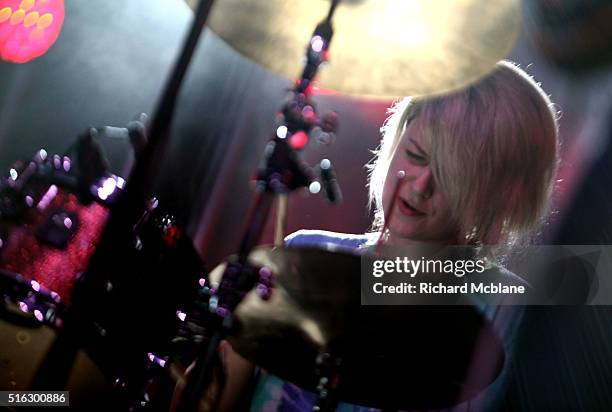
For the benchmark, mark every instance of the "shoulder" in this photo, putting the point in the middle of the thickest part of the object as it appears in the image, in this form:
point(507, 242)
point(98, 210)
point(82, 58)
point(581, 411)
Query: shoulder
point(332, 241)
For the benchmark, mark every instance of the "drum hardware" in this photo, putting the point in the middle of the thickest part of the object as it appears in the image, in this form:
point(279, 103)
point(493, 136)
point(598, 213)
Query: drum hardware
point(136, 309)
point(330, 181)
point(131, 204)
point(102, 189)
point(16, 195)
point(135, 133)
point(314, 332)
point(30, 319)
point(281, 172)
point(46, 231)
point(27, 302)
point(39, 186)
point(48, 240)
point(118, 241)
point(327, 367)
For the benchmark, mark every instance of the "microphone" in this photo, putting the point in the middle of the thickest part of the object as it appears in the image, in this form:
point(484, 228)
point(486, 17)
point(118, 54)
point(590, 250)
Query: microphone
point(330, 182)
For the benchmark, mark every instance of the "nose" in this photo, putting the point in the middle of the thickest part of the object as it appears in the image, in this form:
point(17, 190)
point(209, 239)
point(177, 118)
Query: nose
point(422, 183)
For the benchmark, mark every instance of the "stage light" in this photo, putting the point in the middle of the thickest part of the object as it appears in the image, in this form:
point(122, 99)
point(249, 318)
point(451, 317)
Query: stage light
point(28, 28)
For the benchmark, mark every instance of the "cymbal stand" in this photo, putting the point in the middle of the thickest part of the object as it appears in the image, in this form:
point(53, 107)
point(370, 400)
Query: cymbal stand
point(125, 213)
point(281, 172)
point(327, 368)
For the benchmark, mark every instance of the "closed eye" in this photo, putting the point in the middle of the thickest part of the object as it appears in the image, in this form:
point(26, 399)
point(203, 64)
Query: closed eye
point(416, 157)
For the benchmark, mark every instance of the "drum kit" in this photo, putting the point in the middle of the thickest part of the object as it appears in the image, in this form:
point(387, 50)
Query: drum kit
point(94, 268)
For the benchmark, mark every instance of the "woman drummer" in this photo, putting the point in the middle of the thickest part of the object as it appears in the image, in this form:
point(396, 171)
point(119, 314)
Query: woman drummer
point(479, 166)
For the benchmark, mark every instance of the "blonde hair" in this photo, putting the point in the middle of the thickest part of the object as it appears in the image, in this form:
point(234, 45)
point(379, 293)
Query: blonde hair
point(493, 150)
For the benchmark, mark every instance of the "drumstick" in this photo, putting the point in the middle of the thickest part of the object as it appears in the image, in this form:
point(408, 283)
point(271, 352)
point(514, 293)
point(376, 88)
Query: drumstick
point(282, 206)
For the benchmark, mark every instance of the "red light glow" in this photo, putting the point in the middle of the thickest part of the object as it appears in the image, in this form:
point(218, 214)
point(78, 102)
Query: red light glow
point(28, 28)
point(298, 140)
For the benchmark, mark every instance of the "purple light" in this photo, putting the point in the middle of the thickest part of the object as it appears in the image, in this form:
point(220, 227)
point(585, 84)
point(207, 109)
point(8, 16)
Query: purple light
point(202, 282)
point(309, 113)
point(23, 306)
point(181, 315)
point(47, 198)
point(317, 43)
point(161, 362)
point(67, 222)
point(66, 163)
point(35, 285)
point(55, 296)
point(38, 315)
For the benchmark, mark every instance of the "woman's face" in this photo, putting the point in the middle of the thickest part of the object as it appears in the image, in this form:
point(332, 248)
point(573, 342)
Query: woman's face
point(421, 212)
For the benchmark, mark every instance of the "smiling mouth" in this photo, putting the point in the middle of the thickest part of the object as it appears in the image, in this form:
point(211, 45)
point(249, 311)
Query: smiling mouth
point(408, 209)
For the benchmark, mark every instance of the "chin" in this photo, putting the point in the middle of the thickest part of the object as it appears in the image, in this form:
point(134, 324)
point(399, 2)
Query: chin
point(407, 234)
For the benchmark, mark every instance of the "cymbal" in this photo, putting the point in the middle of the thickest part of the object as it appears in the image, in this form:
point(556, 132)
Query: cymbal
point(380, 48)
point(400, 357)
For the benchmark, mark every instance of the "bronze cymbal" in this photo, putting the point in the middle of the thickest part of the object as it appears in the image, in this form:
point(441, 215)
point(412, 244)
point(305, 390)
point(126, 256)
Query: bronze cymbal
point(400, 357)
point(380, 48)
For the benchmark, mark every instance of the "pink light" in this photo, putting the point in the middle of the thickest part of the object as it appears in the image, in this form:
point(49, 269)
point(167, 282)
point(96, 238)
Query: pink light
point(298, 140)
point(38, 315)
point(35, 285)
point(181, 315)
point(23, 306)
point(28, 28)
point(323, 92)
point(202, 282)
